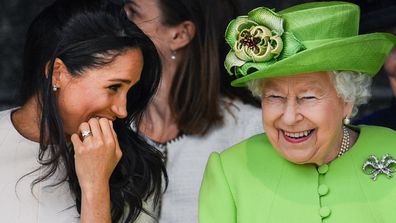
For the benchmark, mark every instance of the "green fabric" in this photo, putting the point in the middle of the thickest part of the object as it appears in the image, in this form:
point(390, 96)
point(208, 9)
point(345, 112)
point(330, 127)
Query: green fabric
point(318, 36)
point(252, 183)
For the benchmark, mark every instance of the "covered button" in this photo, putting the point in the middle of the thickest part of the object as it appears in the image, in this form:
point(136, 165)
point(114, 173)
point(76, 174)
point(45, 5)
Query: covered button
point(324, 212)
point(323, 169)
point(323, 189)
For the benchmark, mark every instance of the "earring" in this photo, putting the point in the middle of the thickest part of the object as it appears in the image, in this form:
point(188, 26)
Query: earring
point(173, 55)
point(346, 121)
point(54, 88)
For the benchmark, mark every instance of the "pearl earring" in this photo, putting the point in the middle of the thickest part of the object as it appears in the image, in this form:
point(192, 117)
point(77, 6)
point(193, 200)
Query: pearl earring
point(346, 121)
point(54, 88)
point(173, 55)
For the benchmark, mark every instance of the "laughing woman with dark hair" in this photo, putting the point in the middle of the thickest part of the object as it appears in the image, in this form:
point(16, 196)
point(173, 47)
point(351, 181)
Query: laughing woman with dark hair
point(68, 153)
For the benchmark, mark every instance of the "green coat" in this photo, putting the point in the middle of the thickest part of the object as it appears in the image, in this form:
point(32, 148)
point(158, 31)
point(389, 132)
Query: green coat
point(251, 182)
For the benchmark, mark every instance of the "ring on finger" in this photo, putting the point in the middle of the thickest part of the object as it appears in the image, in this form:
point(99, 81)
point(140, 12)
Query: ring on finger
point(86, 133)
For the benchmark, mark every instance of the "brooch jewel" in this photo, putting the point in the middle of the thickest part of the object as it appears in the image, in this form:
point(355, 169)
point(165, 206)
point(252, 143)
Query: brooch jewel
point(373, 166)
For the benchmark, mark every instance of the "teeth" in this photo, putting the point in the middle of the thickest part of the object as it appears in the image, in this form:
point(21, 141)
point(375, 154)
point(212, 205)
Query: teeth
point(297, 134)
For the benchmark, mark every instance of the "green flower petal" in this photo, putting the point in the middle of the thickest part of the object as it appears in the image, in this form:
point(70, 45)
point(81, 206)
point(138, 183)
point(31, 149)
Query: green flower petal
point(242, 52)
point(236, 26)
point(252, 67)
point(263, 55)
point(257, 44)
point(291, 45)
point(278, 45)
point(232, 61)
point(257, 41)
point(266, 17)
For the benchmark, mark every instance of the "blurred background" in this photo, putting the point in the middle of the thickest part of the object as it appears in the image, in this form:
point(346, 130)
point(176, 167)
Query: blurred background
point(16, 15)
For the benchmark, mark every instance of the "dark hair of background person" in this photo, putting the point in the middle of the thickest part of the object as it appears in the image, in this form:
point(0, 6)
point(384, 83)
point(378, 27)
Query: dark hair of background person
point(202, 80)
point(89, 34)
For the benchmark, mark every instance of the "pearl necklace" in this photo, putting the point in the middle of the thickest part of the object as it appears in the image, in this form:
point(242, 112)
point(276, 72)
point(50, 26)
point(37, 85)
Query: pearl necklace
point(345, 142)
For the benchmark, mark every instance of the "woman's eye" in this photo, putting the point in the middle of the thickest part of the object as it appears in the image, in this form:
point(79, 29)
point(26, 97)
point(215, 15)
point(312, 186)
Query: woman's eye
point(274, 98)
point(115, 87)
point(307, 98)
point(130, 11)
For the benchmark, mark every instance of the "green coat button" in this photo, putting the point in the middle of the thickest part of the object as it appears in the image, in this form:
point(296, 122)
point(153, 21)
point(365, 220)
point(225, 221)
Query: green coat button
point(324, 212)
point(323, 189)
point(323, 169)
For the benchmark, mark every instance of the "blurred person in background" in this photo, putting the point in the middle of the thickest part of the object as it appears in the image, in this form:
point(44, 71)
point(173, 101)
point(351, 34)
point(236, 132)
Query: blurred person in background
point(195, 111)
point(387, 116)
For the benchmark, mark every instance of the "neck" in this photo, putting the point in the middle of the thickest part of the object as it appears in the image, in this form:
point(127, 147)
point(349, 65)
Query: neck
point(337, 152)
point(158, 122)
point(26, 120)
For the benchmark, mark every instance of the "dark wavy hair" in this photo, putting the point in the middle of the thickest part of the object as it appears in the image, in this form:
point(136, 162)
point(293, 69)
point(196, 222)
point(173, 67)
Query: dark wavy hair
point(202, 80)
point(87, 34)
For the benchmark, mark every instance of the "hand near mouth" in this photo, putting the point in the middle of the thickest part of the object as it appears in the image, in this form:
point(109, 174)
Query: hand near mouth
point(97, 153)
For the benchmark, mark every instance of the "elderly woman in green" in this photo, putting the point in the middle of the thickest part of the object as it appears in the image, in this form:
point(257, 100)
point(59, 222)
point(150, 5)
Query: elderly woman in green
point(311, 69)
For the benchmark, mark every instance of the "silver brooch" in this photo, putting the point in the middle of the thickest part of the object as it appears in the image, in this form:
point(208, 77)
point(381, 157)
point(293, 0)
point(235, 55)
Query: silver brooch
point(374, 167)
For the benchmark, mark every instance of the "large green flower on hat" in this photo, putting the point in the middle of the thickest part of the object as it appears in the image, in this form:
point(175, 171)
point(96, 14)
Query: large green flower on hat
point(258, 40)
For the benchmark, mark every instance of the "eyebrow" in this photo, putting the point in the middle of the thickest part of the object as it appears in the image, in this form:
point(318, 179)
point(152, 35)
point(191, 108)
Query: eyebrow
point(307, 84)
point(131, 2)
point(121, 80)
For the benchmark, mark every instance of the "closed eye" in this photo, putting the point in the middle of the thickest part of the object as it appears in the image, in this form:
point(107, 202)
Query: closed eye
point(309, 97)
point(306, 99)
point(275, 96)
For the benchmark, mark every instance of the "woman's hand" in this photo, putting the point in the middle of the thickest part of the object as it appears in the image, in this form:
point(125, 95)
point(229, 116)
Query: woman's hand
point(96, 156)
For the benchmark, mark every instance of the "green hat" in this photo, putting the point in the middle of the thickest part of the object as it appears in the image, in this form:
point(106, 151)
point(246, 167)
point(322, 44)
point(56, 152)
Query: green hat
point(311, 37)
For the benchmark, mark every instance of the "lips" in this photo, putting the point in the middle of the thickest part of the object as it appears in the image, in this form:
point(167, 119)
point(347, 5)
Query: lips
point(297, 137)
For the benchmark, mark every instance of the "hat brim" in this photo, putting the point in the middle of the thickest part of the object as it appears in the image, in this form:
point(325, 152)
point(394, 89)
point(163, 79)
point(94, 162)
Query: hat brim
point(362, 53)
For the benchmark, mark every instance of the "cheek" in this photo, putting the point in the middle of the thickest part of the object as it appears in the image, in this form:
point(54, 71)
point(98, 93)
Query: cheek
point(152, 30)
point(76, 107)
point(327, 118)
point(325, 115)
point(269, 116)
point(270, 113)
point(72, 112)
point(145, 27)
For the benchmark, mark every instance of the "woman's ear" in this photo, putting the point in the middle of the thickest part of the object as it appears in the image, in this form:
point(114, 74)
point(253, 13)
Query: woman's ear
point(182, 35)
point(60, 74)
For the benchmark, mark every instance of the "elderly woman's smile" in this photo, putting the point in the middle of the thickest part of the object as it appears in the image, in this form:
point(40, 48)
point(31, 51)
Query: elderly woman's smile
point(301, 116)
point(297, 137)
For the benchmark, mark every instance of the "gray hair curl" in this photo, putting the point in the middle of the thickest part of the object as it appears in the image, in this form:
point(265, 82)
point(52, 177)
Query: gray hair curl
point(352, 87)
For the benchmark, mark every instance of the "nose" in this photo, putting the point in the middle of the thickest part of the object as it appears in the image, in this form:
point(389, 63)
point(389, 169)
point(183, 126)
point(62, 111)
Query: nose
point(119, 107)
point(291, 114)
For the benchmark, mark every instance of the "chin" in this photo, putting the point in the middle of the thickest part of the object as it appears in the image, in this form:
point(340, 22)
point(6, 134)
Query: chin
point(296, 157)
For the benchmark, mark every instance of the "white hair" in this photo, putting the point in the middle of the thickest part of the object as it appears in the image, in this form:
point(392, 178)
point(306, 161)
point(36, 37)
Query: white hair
point(352, 87)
